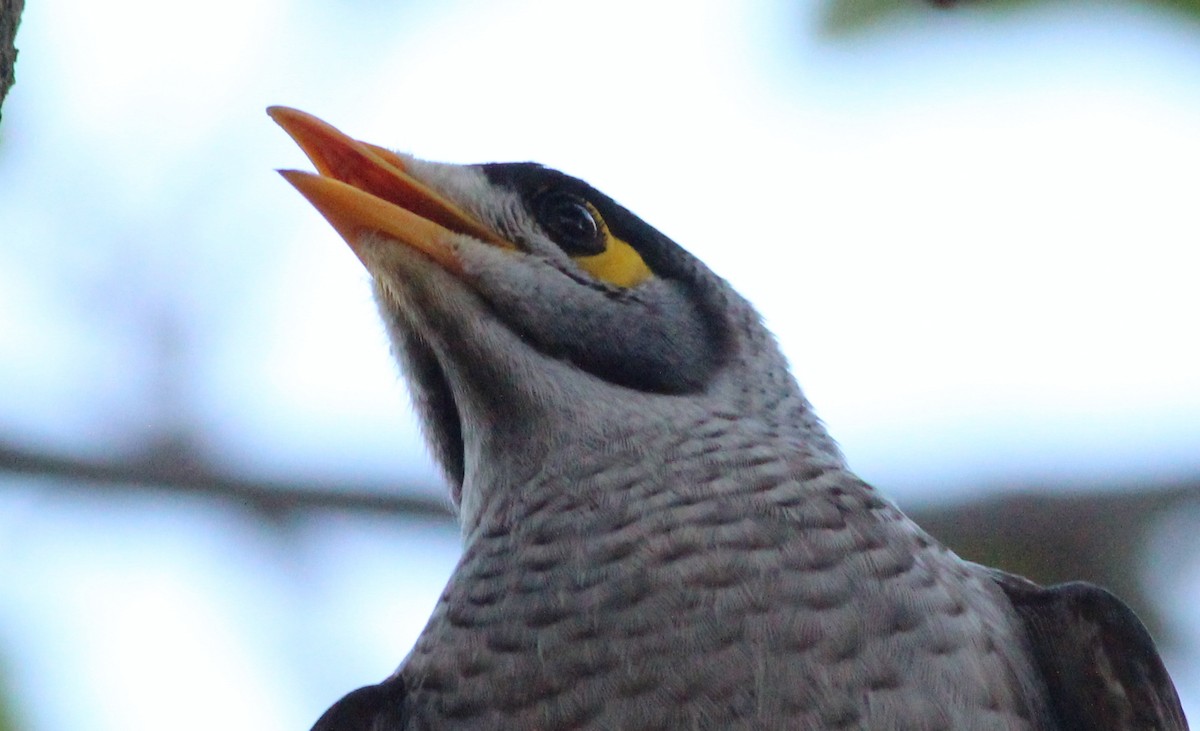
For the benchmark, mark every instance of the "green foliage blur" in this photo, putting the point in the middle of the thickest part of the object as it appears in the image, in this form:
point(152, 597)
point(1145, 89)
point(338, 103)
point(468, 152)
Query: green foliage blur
point(840, 18)
point(7, 715)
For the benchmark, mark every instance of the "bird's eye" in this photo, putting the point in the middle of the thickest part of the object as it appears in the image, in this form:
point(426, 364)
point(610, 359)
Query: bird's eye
point(570, 222)
point(577, 227)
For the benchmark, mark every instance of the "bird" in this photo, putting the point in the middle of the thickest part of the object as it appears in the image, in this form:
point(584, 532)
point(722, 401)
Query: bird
point(658, 531)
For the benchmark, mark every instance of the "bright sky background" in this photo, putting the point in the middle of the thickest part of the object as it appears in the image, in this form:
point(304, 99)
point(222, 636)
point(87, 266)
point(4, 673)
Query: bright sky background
point(975, 235)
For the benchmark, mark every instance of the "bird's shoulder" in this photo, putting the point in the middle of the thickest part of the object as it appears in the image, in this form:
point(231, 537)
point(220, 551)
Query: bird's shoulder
point(1100, 665)
point(378, 707)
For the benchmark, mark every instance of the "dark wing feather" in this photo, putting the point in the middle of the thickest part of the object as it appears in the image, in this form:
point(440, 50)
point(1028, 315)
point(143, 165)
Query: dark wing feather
point(1099, 663)
point(371, 708)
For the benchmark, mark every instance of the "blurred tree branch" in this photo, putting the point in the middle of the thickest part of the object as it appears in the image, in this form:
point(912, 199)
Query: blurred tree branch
point(10, 18)
point(1097, 535)
point(1100, 534)
point(172, 468)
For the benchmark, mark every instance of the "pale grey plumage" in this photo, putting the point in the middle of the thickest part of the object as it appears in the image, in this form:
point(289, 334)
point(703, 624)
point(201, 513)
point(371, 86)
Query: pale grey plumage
point(658, 531)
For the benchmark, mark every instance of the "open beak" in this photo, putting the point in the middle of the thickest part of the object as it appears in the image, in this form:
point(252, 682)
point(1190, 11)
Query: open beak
point(361, 188)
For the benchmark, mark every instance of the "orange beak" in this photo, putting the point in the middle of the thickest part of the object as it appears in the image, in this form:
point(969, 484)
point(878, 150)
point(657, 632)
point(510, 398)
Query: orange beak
point(362, 189)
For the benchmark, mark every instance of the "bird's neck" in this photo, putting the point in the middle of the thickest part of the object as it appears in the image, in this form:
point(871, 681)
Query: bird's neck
point(633, 462)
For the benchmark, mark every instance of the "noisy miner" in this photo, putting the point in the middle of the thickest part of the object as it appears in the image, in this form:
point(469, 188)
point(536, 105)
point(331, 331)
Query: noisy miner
point(658, 531)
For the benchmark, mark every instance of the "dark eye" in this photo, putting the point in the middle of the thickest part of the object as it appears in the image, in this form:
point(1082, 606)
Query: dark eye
point(570, 222)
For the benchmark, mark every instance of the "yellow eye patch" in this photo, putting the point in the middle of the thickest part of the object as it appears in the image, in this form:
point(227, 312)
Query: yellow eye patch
point(619, 264)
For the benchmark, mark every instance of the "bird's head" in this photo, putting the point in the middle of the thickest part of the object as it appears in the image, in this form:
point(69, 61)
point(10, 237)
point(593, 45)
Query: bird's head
point(533, 315)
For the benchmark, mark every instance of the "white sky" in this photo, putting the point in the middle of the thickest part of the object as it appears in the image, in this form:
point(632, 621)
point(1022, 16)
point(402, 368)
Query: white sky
point(976, 239)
